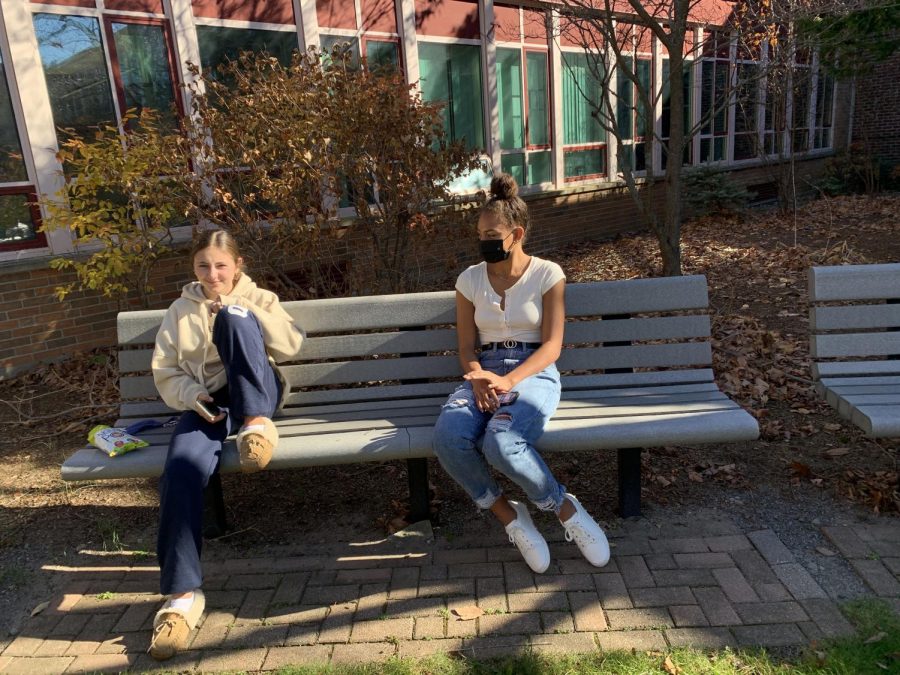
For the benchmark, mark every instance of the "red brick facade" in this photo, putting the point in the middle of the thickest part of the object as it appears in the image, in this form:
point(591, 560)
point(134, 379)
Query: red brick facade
point(876, 118)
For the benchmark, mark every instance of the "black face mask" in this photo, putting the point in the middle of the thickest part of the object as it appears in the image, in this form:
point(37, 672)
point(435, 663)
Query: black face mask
point(492, 249)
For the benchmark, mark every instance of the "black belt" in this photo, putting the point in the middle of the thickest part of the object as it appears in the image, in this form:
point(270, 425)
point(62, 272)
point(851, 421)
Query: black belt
point(509, 344)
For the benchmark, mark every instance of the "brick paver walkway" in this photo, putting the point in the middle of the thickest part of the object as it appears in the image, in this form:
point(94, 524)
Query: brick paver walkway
point(704, 584)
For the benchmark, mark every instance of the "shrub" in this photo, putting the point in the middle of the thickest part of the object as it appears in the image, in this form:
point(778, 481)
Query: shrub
point(707, 191)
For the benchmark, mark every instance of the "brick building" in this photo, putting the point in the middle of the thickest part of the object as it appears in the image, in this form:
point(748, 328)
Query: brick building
point(509, 77)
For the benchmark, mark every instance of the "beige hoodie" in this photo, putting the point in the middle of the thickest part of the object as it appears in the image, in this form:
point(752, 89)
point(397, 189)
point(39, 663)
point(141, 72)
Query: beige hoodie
point(185, 361)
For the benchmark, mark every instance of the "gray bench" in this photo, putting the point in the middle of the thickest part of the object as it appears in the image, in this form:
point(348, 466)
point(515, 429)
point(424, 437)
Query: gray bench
point(375, 371)
point(854, 319)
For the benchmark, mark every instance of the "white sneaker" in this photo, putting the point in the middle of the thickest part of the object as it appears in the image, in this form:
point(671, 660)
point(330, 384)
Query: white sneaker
point(528, 540)
point(587, 534)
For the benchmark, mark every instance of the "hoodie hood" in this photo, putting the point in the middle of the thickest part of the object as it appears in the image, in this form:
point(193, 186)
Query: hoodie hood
point(242, 287)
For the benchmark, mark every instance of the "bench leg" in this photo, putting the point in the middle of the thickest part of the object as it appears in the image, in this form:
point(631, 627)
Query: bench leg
point(629, 482)
point(419, 499)
point(214, 522)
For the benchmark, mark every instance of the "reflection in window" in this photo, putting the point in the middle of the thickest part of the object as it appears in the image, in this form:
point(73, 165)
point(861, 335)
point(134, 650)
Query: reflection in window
point(631, 111)
point(714, 96)
point(343, 43)
point(77, 81)
point(746, 138)
point(382, 54)
point(666, 120)
point(584, 138)
point(16, 219)
point(144, 67)
point(523, 113)
point(824, 111)
point(12, 165)
point(219, 44)
point(452, 74)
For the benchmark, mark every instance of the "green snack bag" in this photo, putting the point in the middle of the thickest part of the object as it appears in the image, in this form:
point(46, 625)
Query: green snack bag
point(113, 440)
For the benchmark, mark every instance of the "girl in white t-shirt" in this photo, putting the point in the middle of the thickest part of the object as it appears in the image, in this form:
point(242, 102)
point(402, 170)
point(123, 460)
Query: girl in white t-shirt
point(513, 306)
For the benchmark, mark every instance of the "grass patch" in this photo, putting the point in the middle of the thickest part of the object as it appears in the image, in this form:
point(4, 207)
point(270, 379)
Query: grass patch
point(875, 649)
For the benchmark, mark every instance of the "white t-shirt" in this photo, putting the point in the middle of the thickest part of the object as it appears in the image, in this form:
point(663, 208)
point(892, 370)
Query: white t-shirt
point(521, 317)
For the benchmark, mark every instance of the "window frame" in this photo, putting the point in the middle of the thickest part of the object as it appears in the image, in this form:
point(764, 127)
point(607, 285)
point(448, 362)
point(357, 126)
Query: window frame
point(601, 146)
point(40, 237)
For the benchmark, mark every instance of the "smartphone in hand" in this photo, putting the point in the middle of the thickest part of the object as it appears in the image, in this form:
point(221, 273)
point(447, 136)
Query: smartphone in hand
point(508, 398)
point(209, 408)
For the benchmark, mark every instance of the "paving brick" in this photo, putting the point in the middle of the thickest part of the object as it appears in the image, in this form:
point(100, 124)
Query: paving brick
point(255, 605)
point(419, 649)
point(474, 570)
point(557, 622)
point(461, 629)
point(643, 640)
point(687, 615)
point(282, 657)
point(877, 577)
point(404, 582)
point(248, 636)
point(827, 617)
point(582, 566)
point(252, 581)
point(125, 643)
point(218, 618)
point(661, 597)
point(574, 643)
point(710, 560)
point(464, 555)
point(612, 591)
point(447, 588)
point(290, 589)
point(94, 633)
point(296, 614)
point(716, 607)
point(134, 617)
point(329, 595)
point(535, 602)
point(361, 652)
point(768, 635)
point(69, 625)
point(247, 565)
point(209, 636)
point(32, 666)
point(519, 578)
point(627, 619)
point(565, 582)
point(491, 593)
point(232, 659)
point(770, 612)
point(102, 663)
point(336, 626)
point(811, 631)
point(754, 568)
point(490, 647)
point(509, 624)
point(380, 630)
point(679, 545)
point(684, 577)
point(728, 543)
point(772, 592)
point(563, 550)
point(23, 645)
point(183, 662)
point(846, 541)
point(587, 612)
point(363, 576)
point(893, 564)
point(225, 599)
point(503, 554)
point(889, 549)
point(414, 607)
point(432, 573)
point(700, 638)
point(429, 627)
point(322, 577)
point(798, 581)
point(886, 532)
point(302, 634)
point(634, 572)
point(629, 546)
point(53, 647)
point(770, 547)
point(372, 601)
point(660, 561)
point(734, 585)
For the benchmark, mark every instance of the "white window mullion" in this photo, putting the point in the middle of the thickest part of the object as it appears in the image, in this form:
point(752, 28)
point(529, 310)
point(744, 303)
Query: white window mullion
point(307, 23)
point(489, 61)
point(25, 67)
point(762, 86)
point(185, 43)
point(557, 155)
point(657, 102)
point(612, 144)
point(697, 94)
point(731, 100)
point(406, 28)
point(813, 100)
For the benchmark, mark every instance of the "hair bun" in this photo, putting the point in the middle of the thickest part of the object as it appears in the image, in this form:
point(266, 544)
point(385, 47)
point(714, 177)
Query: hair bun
point(504, 186)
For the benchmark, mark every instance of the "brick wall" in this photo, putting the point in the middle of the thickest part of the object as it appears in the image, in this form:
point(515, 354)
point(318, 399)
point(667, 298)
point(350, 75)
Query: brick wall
point(35, 327)
point(876, 119)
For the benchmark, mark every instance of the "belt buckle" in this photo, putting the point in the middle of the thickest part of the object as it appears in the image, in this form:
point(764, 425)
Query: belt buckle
point(510, 344)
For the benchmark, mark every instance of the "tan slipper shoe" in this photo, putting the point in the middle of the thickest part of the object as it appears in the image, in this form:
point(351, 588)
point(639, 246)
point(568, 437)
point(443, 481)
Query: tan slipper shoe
point(172, 627)
point(255, 446)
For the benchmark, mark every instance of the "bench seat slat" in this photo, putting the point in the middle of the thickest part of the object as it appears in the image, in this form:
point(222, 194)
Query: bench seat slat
point(878, 421)
point(854, 344)
point(854, 317)
point(856, 368)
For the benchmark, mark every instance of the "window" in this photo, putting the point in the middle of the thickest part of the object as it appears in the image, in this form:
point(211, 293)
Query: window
point(451, 73)
point(12, 164)
point(584, 139)
point(219, 44)
point(824, 120)
point(631, 112)
point(524, 114)
point(378, 53)
point(666, 119)
point(746, 137)
point(774, 116)
point(714, 98)
point(802, 88)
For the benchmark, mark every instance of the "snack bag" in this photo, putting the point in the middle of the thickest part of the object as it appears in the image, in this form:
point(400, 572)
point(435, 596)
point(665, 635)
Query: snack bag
point(113, 440)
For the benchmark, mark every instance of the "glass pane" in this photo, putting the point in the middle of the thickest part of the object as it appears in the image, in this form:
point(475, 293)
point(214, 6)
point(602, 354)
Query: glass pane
point(539, 170)
point(75, 68)
point(746, 98)
point(581, 89)
point(452, 74)
point(381, 54)
point(538, 122)
point(144, 65)
point(16, 224)
point(218, 44)
point(585, 162)
point(329, 42)
point(643, 75)
point(744, 146)
point(509, 95)
point(706, 95)
point(625, 100)
point(719, 148)
point(12, 165)
point(515, 166)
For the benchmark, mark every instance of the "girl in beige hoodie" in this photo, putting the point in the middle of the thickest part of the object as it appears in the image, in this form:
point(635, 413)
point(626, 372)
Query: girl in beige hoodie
point(214, 359)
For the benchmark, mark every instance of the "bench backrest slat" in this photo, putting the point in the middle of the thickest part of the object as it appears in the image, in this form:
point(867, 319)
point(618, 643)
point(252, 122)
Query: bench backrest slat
point(854, 282)
point(854, 317)
point(854, 344)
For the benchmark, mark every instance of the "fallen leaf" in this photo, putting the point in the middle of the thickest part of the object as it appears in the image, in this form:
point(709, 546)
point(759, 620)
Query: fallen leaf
point(670, 667)
point(880, 635)
point(468, 612)
point(40, 607)
point(824, 550)
point(694, 476)
point(801, 469)
point(831, 426)
point(837, 452)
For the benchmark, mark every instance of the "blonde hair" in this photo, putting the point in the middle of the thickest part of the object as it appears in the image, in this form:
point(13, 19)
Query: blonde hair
point(220, 239)
point(506, 204)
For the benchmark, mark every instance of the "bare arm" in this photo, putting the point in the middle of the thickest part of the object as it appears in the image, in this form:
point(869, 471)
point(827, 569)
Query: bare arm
point(467, 337)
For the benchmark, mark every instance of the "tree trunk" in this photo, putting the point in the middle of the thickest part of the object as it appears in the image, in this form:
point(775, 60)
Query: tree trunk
point(669, 231)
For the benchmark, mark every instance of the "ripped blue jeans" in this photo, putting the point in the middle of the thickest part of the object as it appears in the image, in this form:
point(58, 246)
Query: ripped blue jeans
point(468, 442)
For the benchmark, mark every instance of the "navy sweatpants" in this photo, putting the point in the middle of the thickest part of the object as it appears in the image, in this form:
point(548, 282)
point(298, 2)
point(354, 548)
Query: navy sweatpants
point(253, 389)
